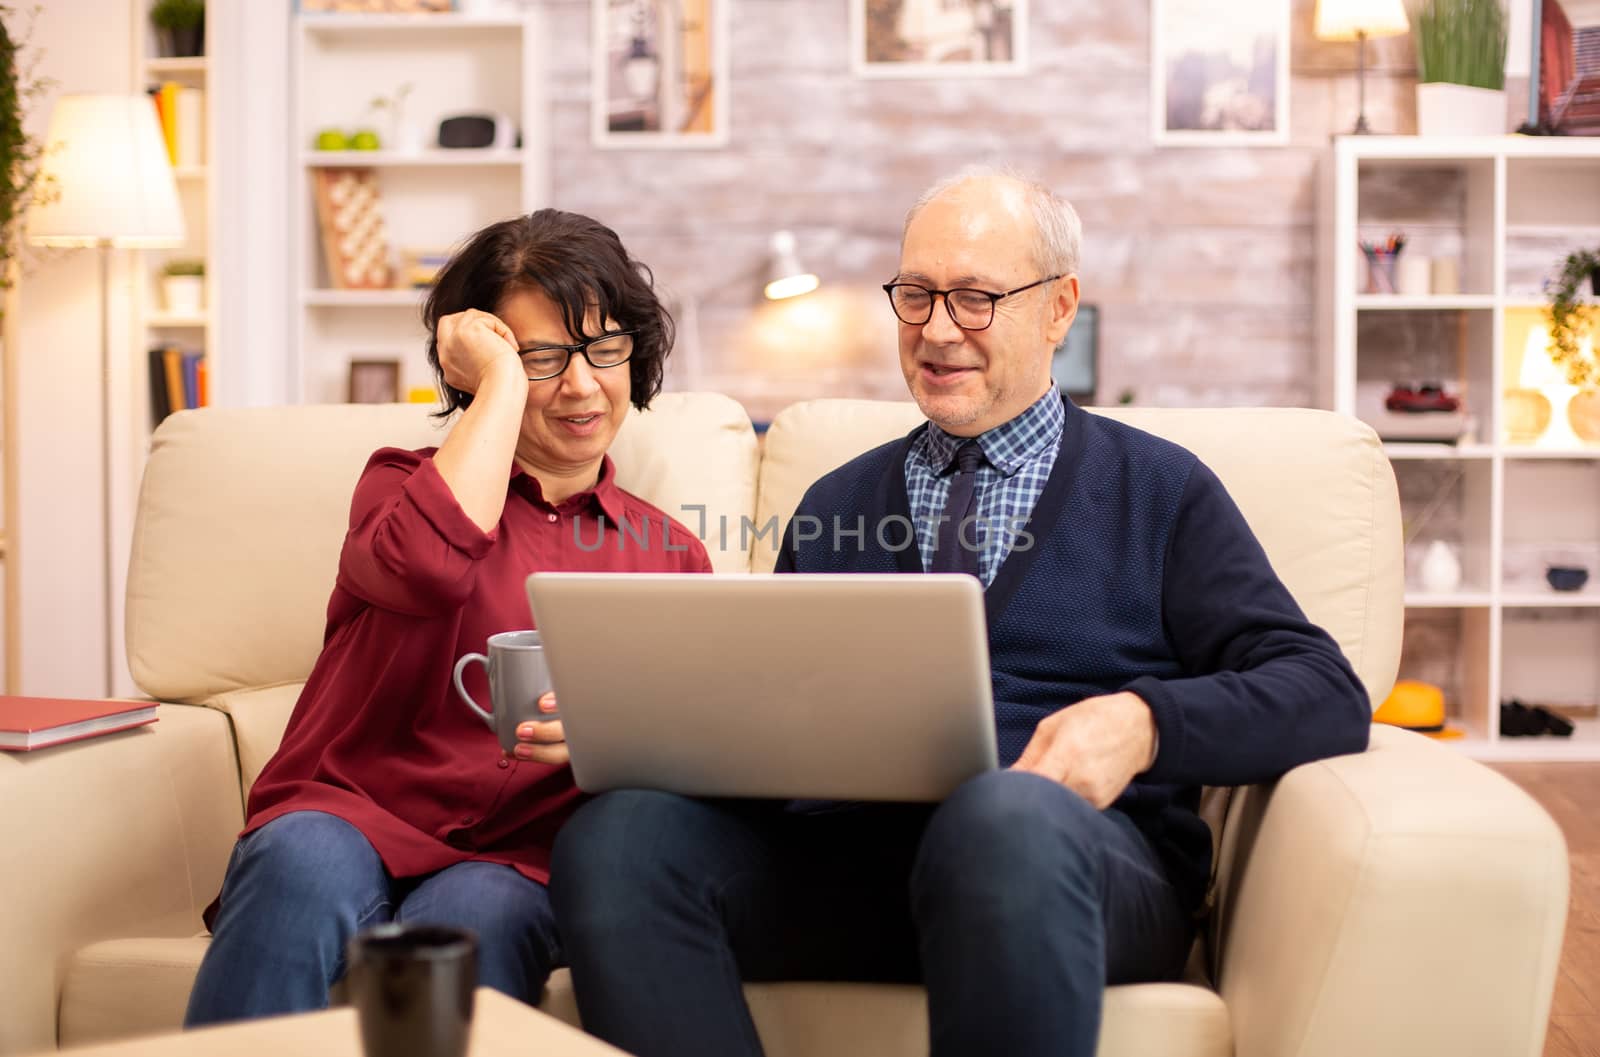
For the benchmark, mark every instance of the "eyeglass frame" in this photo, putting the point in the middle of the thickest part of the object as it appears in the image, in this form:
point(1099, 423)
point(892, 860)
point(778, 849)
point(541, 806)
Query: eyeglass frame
point(994, 299)
point(581, 347)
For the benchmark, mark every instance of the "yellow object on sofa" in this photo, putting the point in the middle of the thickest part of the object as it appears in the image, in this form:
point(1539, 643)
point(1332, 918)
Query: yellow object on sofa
point(1350, 893)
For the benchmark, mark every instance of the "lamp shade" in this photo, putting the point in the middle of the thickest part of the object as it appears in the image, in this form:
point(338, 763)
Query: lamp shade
point(112, 178)
point(1539, 371)
point(786, 277)
point(1345, 19)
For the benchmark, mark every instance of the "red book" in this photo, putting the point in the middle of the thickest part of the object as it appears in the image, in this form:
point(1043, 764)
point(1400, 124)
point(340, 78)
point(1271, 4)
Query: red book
point(35, 722)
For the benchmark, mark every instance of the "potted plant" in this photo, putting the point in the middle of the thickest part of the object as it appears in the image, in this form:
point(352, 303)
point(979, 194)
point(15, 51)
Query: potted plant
point(183, 286)
point(1461, 67)
point(404, 136)
point(22, 181)
point(180, 26)
point(1570, 315)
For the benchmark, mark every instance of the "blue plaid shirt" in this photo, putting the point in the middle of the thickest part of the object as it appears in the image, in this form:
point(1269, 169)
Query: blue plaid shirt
point(1019, 454)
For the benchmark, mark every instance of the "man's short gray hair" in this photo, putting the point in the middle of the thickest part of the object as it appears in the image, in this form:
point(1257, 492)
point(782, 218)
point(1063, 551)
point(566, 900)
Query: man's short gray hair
point(1060, 232)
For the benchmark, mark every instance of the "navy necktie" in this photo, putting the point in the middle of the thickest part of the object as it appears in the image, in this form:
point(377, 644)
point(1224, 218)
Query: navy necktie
point(951, 555)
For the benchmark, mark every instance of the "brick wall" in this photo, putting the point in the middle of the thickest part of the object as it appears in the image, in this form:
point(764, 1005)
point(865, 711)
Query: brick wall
point(1200, 258)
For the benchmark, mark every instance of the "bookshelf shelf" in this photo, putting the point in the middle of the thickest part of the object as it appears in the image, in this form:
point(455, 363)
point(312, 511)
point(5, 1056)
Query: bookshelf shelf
point(1414, 450)
point(326, 158)
point(1429, 302)
point(331, 24)
point(1552, 453)
point(1448, 600)
point(364, 298)
point(177, 320)
point(1550, 599)
point(183, 66)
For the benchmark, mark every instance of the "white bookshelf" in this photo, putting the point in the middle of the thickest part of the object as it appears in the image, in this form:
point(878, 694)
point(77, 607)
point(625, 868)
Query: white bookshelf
point(151, 323)
point(1507, 209)
point(432, 198)
point(157, 325)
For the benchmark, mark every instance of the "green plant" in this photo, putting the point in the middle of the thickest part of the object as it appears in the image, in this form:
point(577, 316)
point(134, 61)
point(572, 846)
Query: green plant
point(22, 181)
point(184, 267)
point(1569, 315)
point(177, 14)
point(395, 104)
point(1461, 42)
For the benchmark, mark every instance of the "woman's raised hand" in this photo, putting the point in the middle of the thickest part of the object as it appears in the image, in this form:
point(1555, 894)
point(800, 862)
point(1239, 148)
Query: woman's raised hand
point(472, 346)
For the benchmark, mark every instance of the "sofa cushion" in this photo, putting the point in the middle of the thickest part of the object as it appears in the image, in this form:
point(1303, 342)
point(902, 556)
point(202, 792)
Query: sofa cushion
point(807, 440)
point(694, 455)
point(259, 718)
point(1314, 486)
point(140, 987)
point(122, 988)
point(243, 510)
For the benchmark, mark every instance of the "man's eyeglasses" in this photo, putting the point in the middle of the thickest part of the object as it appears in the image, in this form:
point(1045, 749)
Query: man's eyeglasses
point(542, 362)
point(969, 309)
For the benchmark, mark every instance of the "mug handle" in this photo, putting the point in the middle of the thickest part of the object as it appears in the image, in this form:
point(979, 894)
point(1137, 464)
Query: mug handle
point(461, 666)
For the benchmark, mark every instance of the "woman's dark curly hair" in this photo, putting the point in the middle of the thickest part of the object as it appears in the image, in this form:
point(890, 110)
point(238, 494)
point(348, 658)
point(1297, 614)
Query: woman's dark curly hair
point(579, 264)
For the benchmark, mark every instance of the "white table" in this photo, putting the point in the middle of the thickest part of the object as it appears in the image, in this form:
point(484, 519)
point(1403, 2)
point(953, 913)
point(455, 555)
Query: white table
point(501, 1027)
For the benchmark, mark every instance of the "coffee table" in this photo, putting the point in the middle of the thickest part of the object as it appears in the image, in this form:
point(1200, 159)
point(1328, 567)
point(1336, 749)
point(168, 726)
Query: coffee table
point(500, 1026)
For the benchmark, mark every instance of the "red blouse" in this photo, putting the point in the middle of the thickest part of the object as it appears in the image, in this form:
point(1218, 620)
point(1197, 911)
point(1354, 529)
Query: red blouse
point(379, 737)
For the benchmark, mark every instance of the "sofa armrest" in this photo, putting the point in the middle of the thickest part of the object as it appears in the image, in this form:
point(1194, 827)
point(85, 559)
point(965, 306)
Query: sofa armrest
point(1400, 901)
point(122, 835)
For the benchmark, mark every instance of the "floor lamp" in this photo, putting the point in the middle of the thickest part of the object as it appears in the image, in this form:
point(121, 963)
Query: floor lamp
point(111, 187)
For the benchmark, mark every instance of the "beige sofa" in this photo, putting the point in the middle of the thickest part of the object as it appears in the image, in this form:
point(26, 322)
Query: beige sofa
point(1400, 902)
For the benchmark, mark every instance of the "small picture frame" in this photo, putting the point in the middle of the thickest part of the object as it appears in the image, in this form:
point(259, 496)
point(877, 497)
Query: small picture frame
point(1219, 73)
point(659, 73)
point(375, 7)
point(938, 38)
point(374, 382)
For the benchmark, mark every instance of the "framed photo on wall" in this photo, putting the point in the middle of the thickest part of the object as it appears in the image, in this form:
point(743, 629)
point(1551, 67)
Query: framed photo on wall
point(938, 38)
point(1219, 73)
point(660, 73)
point(374, 381)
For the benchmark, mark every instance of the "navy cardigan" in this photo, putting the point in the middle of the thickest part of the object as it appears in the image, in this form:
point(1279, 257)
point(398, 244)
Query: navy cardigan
point(1141, 575)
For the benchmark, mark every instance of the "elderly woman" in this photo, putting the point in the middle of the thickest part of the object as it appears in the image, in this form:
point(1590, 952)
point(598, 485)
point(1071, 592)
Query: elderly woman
point(388, 799)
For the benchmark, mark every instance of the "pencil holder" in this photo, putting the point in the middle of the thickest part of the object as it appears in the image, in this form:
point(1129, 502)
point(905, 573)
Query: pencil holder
point(1381, 266)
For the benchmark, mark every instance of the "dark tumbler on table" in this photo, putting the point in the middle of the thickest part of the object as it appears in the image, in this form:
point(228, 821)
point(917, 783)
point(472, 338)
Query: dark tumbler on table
point(412, 987)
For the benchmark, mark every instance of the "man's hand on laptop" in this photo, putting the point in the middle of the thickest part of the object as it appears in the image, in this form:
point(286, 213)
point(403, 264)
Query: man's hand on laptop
point(1094, 747)
point(542, 741)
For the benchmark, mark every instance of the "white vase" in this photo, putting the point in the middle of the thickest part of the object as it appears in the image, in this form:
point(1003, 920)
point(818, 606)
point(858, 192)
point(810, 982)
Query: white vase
point(184, 295)
point(1458, 110)
point(1440, 571)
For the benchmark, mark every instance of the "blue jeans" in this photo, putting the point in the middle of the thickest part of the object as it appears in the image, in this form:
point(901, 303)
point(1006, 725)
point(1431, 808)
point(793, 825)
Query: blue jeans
point(1014, 901)
point(299, 887)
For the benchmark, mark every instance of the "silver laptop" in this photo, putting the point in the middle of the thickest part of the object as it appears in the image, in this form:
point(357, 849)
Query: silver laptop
point(848, 687)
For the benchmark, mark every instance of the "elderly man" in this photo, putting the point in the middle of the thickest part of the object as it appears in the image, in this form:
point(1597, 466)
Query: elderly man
point(1141, 647)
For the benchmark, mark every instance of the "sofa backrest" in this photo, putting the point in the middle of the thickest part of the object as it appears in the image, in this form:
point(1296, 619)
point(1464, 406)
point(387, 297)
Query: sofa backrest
point(1314, 486)
point(242, 512)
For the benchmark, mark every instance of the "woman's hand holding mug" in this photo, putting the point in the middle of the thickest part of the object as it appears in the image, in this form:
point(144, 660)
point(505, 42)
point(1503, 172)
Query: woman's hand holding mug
point(542, 741)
